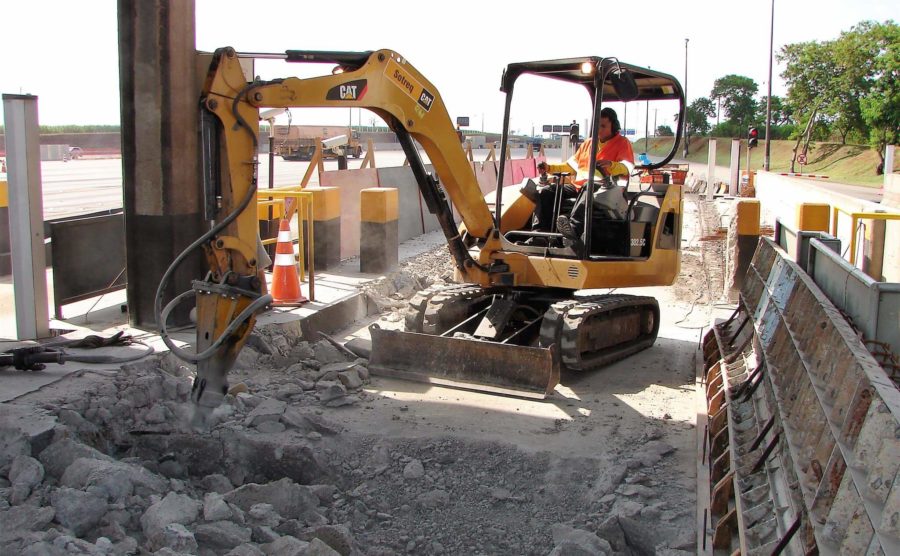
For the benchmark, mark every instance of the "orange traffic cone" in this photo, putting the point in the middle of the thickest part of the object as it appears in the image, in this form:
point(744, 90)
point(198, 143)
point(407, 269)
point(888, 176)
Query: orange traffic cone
point(285, 280)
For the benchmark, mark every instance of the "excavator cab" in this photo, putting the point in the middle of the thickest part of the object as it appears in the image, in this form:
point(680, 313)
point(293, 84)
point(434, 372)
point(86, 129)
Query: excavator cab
point(624, 218)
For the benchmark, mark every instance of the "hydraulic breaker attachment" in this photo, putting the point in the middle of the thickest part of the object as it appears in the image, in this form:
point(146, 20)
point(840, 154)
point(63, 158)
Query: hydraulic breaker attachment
point(220, 327)
point(528, 372)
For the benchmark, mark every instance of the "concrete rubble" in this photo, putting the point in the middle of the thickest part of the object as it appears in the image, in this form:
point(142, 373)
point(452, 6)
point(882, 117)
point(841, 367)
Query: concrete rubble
point(126, 466)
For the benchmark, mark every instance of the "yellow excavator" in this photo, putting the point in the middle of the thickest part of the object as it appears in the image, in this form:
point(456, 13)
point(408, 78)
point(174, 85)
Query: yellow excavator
point(512, 321)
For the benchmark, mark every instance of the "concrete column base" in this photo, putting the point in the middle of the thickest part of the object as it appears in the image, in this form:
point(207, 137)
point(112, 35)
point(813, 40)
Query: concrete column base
point(326, 227)
point(378, 247)
point(379, 244)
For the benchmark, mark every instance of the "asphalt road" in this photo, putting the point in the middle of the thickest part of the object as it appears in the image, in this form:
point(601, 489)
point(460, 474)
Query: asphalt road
point(89, 185)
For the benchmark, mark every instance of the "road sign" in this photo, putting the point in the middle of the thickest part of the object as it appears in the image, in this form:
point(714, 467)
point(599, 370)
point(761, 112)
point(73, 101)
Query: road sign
point(462, 121)
point(629, 132)
point(801, 158)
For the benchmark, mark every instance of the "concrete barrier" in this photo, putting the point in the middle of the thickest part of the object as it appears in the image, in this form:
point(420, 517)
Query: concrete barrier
point(800, 445)
point(349, 183)
point(782, 195)
point(414, 218)
point(379, 247)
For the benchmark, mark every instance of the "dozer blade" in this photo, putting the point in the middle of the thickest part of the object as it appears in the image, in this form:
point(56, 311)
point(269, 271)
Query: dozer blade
point(528, 372)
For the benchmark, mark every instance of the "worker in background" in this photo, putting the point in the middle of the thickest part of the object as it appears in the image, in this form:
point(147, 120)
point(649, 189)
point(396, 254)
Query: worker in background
point(615, 157)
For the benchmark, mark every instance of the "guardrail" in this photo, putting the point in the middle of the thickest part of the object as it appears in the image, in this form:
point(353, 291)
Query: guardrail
point(855, 217)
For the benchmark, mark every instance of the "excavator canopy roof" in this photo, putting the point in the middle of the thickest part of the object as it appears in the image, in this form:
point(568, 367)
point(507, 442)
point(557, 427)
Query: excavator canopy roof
point(650, 84)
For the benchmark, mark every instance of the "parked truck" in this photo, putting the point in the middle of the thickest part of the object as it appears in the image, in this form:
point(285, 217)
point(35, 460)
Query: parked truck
point(298, 142)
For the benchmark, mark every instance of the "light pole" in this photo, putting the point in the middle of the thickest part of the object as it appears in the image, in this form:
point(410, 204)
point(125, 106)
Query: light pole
point(769, 96)
point(684, 128)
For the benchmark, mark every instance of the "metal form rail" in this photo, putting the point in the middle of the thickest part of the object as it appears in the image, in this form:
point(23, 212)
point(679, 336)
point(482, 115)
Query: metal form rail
point(802, 443)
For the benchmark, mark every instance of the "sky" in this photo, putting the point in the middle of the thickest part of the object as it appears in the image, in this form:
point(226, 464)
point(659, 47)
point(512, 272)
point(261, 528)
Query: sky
point(66, 52)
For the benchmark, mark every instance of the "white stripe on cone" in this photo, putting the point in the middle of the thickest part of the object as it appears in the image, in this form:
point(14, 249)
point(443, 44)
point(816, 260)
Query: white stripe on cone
point(285, 259)
point(284, 236)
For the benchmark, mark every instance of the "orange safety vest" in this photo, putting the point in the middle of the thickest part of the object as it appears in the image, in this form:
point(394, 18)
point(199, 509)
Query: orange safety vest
point(617, 149)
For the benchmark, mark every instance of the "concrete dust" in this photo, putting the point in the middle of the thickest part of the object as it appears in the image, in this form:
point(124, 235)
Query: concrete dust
point(311, 455)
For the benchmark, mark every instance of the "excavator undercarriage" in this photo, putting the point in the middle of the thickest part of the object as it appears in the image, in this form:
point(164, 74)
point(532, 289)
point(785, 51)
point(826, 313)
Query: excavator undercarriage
point(511, 341)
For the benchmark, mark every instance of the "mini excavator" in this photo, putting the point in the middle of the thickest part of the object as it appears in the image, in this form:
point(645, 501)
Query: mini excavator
point(512, 320)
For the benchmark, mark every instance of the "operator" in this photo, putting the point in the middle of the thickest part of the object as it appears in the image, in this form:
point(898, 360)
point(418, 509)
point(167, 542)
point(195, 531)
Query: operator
point(614, 158)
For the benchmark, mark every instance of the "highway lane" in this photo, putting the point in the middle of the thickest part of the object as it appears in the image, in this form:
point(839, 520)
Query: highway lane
point(89, 185)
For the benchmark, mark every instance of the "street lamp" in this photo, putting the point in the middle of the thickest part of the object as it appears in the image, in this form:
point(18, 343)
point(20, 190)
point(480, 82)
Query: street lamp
point(769, 97)
point(684, 128)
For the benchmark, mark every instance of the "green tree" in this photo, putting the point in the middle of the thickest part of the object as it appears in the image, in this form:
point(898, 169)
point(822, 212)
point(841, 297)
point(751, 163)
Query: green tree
point(664, 131)
point(736, 92)
point(782, 113)
point(880, 108)
point(853, 82)
point(698, 114)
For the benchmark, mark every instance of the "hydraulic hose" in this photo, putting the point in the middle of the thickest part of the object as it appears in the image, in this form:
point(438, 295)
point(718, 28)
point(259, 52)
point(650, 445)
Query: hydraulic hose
point(162, 314)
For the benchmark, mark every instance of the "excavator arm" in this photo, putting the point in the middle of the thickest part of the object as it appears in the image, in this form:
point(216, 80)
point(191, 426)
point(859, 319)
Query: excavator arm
point(383, 82)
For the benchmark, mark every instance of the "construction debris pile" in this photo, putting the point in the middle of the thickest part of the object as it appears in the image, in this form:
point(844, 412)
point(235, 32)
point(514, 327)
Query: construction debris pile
point(125, 471)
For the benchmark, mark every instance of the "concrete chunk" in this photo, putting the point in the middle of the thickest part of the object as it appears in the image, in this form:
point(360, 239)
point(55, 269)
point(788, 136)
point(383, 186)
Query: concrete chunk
point(221, 535)
point(13, 443)
point(116, 479)
point(268, 410)
point(178, 538)
point(19, 521)
point(288, 498)
point(174, 508)
point(60, 455)
point(78, 510)
point(286, 546)
point(585, 540)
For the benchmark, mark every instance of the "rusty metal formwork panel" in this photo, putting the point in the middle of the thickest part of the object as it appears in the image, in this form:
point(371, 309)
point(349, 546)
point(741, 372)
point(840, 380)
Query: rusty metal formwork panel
point(802, 442)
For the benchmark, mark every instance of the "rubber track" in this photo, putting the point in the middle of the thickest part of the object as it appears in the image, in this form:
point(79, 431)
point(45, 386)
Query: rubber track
point(563, 322)
point(418, 304)
point(449, 307)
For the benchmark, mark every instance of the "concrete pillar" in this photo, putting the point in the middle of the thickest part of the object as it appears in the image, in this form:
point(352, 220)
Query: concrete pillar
point(743, 237)
point(378, 239)
point(711, 170)
point(160, 155)
point(735, 181)
point(5, 255)
point(888, 162)
point(873, 248)
point(26, 216)
point(813, 217)
point(326, 226)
